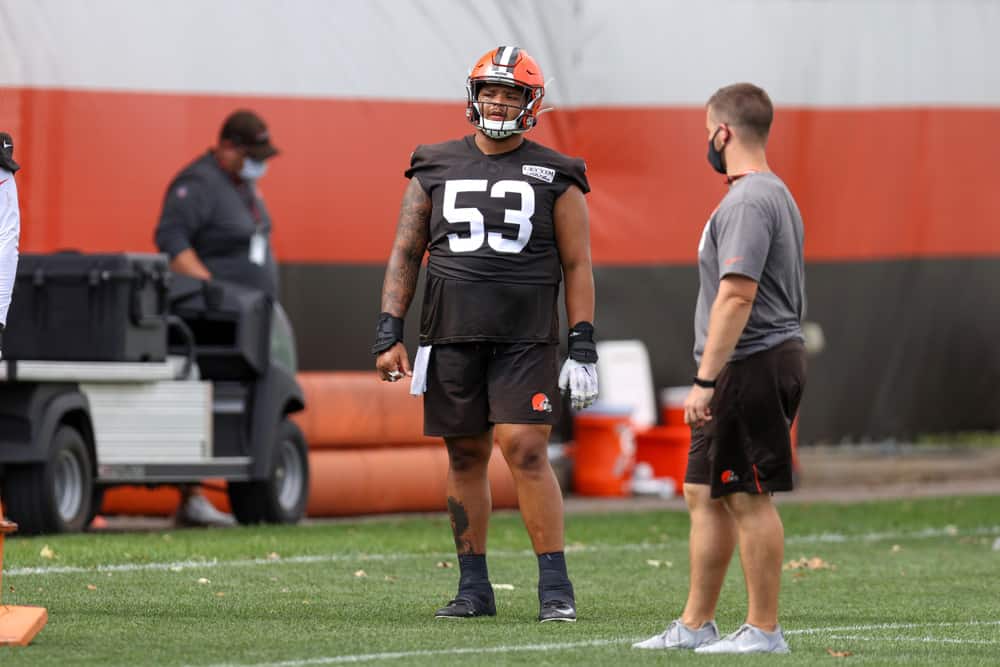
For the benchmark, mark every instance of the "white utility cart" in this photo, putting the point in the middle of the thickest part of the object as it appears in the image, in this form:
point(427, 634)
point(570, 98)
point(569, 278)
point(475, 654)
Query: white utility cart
point(218, 410)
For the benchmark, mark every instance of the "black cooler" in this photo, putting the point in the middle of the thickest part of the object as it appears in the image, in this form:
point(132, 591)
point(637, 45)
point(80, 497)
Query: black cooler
point(73, 306)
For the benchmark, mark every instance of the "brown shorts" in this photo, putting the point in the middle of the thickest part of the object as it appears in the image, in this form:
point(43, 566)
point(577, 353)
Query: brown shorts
point(471, 386)
point(747, 447)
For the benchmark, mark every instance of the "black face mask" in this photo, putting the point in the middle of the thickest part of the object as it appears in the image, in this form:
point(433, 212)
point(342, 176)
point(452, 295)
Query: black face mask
point(715, 157)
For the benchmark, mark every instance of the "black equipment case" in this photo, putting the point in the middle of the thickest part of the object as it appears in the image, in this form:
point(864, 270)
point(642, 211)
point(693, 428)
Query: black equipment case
point(231, 325)
point(71, 306)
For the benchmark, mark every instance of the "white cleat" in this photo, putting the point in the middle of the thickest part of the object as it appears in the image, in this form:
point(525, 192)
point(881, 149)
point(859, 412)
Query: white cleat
point(197, 510)
point(678, 635)
point(749, 639)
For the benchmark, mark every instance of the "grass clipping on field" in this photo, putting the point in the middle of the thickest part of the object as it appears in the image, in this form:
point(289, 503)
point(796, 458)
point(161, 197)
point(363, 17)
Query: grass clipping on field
point(803, 563)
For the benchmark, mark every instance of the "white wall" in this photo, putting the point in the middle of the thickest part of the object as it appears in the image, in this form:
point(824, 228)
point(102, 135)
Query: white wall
point(625, 52)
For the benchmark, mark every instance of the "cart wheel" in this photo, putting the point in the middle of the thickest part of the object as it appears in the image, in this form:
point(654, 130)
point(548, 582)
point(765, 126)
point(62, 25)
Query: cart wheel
point(281, 498)
point(55, 496)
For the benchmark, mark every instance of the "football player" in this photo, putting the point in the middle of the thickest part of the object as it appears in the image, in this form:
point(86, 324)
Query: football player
point(504, 220)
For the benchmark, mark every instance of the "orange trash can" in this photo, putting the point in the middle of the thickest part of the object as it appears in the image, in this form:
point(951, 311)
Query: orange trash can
point(672, 405)
point(665, 449)
point(603, 452)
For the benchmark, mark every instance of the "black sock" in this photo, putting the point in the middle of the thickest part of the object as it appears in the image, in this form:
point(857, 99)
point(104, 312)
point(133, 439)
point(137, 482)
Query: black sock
point(553, 581)
point(474, 575)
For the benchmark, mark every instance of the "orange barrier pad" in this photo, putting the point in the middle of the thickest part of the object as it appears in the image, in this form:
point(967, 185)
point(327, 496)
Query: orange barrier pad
point(403, 479)
point(158, 500)
point(356, 409)
point(344, 483)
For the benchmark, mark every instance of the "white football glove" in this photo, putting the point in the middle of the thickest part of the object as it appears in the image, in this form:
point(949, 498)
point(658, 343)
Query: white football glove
point(580, 381)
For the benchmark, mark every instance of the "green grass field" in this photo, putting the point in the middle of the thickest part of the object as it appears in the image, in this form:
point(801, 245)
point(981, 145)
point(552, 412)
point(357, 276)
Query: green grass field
point(909, 582)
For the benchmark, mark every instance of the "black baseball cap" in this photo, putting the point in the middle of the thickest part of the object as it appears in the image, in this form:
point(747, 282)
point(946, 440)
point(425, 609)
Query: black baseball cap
point(7, 153)
point(245, 128)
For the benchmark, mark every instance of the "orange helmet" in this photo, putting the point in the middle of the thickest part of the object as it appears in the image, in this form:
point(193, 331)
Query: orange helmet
point(508, 66)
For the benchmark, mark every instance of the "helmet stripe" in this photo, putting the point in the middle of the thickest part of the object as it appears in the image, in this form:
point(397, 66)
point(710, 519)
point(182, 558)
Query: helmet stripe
point(507, 55)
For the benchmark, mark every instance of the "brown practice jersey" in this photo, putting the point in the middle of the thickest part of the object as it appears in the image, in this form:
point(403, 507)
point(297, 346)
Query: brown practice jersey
point(494, 270)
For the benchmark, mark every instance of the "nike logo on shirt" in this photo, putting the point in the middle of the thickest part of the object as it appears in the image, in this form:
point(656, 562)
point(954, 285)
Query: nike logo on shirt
point(4, 181)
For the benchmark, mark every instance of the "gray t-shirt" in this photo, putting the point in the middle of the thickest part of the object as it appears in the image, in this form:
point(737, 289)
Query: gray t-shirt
point(756, 232)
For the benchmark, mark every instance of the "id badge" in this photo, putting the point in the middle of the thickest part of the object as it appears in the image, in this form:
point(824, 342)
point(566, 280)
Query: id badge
point(258, 249)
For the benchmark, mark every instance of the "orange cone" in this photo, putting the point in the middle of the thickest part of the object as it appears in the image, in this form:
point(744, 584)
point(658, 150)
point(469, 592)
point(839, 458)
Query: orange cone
point(18, 625)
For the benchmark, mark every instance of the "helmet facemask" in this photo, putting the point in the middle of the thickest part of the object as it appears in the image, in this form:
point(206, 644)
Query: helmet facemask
point(497, 129)
point(507, 66)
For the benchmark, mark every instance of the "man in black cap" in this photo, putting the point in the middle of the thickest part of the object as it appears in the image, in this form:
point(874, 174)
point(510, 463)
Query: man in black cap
point(215, 226)
point(214, 222)
point(10, 226)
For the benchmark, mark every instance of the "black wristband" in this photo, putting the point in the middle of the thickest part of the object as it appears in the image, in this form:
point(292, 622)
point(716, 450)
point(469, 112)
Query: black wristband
point(581, 343)
point(704, 384)
point(388, 332)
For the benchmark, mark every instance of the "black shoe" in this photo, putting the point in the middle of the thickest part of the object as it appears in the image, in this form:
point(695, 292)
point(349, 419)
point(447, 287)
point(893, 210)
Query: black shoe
point(467, 606)
point(557, 609)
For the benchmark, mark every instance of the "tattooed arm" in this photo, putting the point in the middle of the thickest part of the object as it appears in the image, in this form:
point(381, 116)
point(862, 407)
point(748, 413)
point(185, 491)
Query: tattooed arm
point(407, 250)
point(404, 266)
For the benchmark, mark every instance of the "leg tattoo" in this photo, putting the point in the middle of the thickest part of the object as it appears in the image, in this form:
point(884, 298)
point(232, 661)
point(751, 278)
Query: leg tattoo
point(459, 525)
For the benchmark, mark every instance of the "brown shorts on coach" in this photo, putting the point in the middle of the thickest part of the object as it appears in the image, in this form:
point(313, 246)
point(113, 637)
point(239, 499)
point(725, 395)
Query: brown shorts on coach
point(747, 447)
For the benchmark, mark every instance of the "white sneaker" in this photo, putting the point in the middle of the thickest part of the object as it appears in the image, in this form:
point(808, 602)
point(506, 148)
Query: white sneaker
point(678, 635)
point(198, 511)
point(749, 639)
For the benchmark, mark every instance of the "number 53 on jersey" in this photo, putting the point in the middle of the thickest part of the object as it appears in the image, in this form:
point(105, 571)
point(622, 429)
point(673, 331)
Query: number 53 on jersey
point(477, 235)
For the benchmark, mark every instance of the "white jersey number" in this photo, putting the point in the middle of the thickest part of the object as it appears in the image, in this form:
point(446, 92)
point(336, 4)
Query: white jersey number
point(474, 217)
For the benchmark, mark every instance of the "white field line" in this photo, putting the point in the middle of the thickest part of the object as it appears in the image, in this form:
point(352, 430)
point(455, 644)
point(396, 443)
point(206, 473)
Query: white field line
point(887, 626)
point(177, 566)
point(926, 533)
point(395, 655)
point(829, 633)
point(924, 640)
